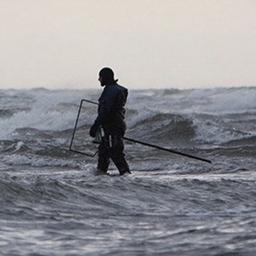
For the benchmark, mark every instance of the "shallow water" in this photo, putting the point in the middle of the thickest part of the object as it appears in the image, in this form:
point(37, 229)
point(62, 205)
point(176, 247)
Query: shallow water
point(53, 204)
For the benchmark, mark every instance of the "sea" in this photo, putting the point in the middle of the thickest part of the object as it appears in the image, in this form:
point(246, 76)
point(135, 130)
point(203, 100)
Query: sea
point(52, 203)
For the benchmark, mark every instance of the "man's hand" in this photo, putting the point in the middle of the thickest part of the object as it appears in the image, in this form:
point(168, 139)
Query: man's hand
point(93, 131)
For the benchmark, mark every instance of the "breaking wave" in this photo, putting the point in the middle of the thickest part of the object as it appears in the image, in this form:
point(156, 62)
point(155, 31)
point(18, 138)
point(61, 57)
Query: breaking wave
point(198, 116)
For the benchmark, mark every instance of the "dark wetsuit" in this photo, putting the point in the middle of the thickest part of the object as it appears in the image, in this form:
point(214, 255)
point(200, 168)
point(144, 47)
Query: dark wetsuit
point(111, 114)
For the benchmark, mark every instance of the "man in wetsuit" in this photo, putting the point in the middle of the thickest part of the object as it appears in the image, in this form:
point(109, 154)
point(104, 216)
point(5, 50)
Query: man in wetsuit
point(111, 114)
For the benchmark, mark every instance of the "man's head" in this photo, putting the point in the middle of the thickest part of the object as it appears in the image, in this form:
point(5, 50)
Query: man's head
point(106, 77)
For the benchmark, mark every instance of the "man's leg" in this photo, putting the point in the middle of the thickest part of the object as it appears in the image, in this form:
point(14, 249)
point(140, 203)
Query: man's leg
point(103, 156)
point(117, 154)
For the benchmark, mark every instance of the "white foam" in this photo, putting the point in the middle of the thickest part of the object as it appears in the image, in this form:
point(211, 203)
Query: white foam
point(207, 101)
point(46, 112)
point(57, 110)
point(38, 161)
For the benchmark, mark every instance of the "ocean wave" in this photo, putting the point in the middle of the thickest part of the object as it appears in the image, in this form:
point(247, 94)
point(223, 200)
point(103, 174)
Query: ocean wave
point(211, 116)
point(207, 195)
point(51, 194)
point(246, 141)
point(34, 160)
point(164, 127)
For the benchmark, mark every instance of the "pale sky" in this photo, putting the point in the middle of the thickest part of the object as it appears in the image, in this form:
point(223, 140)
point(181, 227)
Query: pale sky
point(148, 43)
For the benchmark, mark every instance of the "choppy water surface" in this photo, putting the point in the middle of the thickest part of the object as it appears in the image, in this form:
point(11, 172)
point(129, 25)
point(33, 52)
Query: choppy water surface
point(53, 204)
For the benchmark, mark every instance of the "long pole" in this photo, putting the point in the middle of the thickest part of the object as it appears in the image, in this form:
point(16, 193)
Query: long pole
point(74, 131)
point(138, 141)
point(167, 150)
point(77, 118)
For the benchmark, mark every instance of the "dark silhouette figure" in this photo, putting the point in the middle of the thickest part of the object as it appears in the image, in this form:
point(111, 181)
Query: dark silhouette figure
point(111, 115)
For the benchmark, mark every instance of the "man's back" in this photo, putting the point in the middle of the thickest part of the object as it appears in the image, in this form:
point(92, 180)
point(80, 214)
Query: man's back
point(111, 110)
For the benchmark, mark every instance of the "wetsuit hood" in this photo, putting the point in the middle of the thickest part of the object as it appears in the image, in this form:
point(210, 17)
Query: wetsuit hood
point(106, 77)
